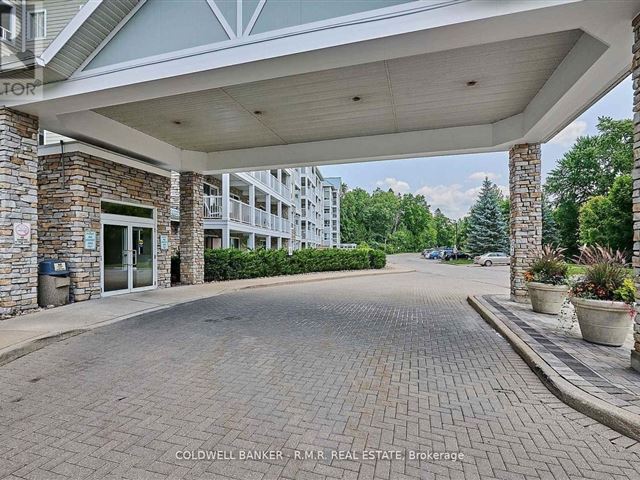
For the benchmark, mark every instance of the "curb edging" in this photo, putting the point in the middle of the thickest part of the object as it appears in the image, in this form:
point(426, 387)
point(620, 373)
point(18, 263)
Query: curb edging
point(614, 417)
point(31, 345)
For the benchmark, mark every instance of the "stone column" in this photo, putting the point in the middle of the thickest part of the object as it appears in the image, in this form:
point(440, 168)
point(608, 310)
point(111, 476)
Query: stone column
point(635, 74)
point(18, 205)
point(251, 242)
point(191, 228)
point(525, 193)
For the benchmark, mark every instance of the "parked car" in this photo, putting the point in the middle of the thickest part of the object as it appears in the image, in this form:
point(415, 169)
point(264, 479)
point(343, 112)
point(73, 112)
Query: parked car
point(492, 258)
point(445, 251)
point(433, 254)
point(460, 256)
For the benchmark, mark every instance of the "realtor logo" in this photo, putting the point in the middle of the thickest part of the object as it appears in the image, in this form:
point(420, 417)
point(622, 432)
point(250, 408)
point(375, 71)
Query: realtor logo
point(20, 78)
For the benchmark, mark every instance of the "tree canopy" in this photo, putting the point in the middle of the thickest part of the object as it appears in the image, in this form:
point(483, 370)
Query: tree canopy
point(589, 169)
point(385, 219)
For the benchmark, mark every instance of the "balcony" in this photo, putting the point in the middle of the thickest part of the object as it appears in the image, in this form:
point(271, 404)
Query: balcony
point(6, 34)
point(262, 218)
point(212, 206)
point(239, 211)
point(242, 212)
point(272, 182)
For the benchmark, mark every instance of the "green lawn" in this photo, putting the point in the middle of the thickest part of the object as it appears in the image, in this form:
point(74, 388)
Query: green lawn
point(460, 261)
point(576, 269)
point(579, 269)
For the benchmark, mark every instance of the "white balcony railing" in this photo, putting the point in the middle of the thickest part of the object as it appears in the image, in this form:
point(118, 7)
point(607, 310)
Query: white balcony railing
point(212, 206)
point(262, 218)
point(272, 182)
point(6, 34)
point(274, 222)
point(239, 211)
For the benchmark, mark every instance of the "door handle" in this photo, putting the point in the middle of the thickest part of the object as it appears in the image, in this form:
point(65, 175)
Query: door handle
point(134, 258)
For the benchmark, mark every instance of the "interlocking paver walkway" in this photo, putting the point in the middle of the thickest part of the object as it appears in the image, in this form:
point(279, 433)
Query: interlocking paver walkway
point(390, 363)
point(602, 371)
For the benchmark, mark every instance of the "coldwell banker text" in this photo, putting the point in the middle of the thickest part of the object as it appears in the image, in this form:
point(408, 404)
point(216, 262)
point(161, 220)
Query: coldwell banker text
point(258, 455)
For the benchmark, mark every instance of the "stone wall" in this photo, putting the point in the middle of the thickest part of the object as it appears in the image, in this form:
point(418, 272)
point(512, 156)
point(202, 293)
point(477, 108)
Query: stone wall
point(71, 205)
point(18, 204)
point(174, 235)
point(191, 228)
point(525, 192)
point(635, 69)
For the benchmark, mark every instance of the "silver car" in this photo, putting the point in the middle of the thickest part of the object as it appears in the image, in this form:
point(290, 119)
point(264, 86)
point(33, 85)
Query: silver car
point(492, 258)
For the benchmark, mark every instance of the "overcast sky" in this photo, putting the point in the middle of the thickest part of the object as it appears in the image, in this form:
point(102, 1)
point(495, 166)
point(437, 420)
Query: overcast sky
point(452, 183)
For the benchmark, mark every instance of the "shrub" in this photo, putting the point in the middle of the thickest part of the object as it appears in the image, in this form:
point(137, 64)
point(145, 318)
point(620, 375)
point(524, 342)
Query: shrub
point(549, 267)
point(377, 258)
point(232, 264)
point(606, 276)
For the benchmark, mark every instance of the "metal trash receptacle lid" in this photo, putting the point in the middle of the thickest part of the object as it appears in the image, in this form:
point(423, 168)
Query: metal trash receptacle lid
point(56, 268)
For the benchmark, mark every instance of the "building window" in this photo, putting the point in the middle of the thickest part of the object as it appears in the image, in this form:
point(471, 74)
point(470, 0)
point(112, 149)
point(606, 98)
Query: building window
point(210, 190)
point(126, 209)
point(7, 21)
point(37, 25)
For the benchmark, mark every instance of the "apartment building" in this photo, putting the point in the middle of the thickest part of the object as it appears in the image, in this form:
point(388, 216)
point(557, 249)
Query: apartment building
point(28, 27)
point(331, 187)
point(280, 208)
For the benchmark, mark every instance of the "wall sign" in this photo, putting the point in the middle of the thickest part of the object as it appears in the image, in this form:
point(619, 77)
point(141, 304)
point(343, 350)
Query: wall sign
point(21, 234)
point(90, 240)
point(164, 242)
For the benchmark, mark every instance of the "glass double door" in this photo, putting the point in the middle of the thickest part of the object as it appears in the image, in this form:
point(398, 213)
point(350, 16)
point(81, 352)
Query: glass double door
point(127, 257)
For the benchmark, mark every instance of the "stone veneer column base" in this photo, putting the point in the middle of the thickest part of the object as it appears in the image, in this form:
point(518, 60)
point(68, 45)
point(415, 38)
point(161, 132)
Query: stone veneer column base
point(191, 228)
point(18, 204)
point(635, 75)
point(525, 192)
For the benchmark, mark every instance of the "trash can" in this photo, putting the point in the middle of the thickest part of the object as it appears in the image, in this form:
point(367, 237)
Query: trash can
point(53, 283)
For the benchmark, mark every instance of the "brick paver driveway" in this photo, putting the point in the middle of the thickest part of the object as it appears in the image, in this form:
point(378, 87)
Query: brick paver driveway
point(393, 363)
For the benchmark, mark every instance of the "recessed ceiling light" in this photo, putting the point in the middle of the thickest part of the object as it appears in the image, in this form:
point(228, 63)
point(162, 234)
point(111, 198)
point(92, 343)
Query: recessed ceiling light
point(471, 83)
point(257, 112)
point(356, 99)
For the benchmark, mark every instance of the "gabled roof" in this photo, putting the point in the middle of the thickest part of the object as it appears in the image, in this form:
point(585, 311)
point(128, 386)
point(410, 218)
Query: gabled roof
point(91, 26)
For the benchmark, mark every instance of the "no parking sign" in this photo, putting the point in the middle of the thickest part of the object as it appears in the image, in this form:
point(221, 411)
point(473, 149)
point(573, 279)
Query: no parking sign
point(21, 234)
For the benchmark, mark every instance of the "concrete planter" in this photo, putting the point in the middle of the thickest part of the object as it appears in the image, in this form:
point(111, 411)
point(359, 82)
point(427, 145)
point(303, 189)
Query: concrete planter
point(546, 298)
point(602, 321)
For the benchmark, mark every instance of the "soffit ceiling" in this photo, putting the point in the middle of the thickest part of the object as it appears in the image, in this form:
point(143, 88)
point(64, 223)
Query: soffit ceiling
point(420, 92)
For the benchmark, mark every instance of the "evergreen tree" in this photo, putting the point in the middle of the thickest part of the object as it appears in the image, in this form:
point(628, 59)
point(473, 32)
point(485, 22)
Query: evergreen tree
point(487, 231)
point(550, 234)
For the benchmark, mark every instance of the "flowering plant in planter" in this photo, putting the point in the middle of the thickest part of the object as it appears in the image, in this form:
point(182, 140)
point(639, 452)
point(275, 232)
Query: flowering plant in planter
point(549, 267)
point(606, 276)
point(604, 296)
point(547, 281)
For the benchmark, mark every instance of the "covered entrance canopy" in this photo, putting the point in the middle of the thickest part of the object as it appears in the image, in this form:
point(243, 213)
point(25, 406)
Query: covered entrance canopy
point(208, 86)
point(235, 85)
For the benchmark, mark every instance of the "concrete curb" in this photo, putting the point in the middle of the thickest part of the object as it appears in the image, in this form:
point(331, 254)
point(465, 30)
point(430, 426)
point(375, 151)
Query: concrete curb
point(13, 352)
point(614, 417)
point(9, 354)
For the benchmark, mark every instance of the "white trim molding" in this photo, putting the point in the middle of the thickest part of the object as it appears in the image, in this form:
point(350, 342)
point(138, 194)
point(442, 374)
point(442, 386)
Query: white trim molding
point(81, 147)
